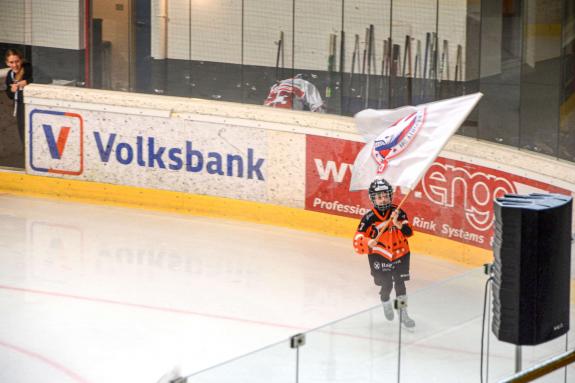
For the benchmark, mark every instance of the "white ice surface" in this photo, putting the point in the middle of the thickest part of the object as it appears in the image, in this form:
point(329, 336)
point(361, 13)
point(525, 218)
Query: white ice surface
point(100, 294)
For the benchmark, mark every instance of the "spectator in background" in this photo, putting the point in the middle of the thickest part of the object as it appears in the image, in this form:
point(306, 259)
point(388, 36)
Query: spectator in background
point(295, 93)
point(19, 75)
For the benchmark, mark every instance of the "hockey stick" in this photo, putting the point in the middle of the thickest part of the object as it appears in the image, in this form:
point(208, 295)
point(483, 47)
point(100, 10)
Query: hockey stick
point(396, 63)
point(278, 55)
point(382, 75)
point(417, 64)
point(425, 58)
point(446, 58)
point(330, 64)
point(458, 64)
point(354, 59)
point(370, 55)
point(406, 48)
point(393, 72)
point(418, 70)
point(408, 76)
point(434, 53)
point(341, 69)
point(365, 44)
point(389, 57)
point(364, 62)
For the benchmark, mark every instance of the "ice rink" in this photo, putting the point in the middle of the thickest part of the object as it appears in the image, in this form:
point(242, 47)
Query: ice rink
point(100, 294)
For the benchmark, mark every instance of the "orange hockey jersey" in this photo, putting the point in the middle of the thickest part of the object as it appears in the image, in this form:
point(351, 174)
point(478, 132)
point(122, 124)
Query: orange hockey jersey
point(392, 243)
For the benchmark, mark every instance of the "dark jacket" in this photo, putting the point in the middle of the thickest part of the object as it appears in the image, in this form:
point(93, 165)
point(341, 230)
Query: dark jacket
point(28, 76)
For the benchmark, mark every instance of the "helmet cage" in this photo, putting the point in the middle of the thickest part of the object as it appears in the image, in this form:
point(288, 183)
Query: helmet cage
point(379, 187)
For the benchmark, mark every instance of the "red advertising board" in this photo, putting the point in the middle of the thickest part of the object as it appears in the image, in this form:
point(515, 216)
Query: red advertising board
point(454, 199)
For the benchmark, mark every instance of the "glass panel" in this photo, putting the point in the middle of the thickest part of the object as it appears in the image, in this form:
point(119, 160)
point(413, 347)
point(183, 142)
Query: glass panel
point(355, 54)
point(176, 46)
point(365, 347)
point(500, 71)
point(361, 348)
point(416, 51)
point(216, 50)
point(142, 46)
point(459, 29)
point(110, 55)
point(567, 108)
point(316, 34)
point(448, 331)
point(276, 363)
point(366, 26)
point(467, 61)
point(451, 29)
point(267, 48)
point(196, 47)
point(540, 76)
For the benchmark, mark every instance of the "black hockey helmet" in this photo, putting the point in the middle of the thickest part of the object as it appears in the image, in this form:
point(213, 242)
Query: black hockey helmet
point(380, 186)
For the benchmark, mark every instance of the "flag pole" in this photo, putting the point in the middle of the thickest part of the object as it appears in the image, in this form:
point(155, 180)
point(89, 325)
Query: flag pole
point(404, 198)
point(390, 217)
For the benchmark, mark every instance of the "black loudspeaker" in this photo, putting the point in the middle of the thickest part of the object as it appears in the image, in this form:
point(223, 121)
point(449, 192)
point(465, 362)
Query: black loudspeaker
point(532, 267)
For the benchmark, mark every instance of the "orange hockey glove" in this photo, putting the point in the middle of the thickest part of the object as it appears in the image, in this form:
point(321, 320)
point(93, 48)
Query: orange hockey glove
point(360, 244)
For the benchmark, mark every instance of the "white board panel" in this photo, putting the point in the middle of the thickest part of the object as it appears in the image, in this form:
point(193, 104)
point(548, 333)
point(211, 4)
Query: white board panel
point(197, 157)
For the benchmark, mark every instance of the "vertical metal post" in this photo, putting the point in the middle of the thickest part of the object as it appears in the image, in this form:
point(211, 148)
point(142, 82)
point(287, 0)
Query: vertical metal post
point(566, 349)
point(190, 64)
point(399, 350)
point(399, 304)
point(390, 82)
point(242, 44)
point(518, 359)
point(292, 50)
point(435, 51)
point(297, 365)
point(296, 342)
point(488, 332)
point(342, 60)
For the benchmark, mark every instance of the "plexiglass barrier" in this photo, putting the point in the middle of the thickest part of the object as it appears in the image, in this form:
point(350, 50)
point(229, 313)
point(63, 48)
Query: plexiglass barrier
point(445, 346)
point(275, 363)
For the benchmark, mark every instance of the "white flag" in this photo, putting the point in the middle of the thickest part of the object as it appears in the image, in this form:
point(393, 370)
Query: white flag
point(403, 143)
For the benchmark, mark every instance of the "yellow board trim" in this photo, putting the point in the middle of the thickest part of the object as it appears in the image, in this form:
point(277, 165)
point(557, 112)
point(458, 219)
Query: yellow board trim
point(225, 208)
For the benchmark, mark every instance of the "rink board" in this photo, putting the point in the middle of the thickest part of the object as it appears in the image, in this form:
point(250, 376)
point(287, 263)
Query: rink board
point(198, 157)
point(272, 160)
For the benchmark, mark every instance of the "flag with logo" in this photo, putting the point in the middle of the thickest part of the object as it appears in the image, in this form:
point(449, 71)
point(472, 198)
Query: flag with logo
point(401, 144)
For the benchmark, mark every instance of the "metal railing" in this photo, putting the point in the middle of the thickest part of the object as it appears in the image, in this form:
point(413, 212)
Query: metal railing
point(542, 369)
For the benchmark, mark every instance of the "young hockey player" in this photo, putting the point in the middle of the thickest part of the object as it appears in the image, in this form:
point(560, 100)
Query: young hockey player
point(382, 235)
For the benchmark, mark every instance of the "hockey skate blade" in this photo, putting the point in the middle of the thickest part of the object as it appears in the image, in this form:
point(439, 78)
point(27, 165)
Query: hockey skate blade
point(409, 329)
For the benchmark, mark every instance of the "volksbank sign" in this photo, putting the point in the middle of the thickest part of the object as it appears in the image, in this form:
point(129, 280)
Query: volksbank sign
point(150, 151)
point(145, 152)
point(57, 143)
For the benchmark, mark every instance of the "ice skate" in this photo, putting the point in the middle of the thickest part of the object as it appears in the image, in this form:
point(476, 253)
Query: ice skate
point(406, 321)
point(172, 376)
point(388, 310)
